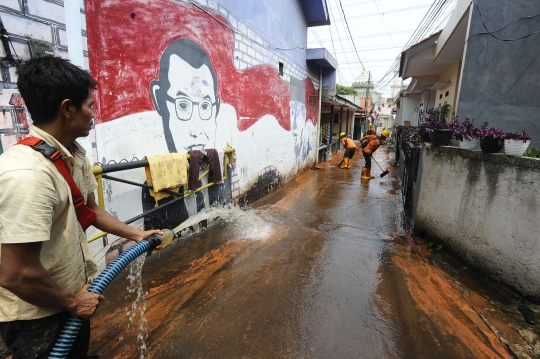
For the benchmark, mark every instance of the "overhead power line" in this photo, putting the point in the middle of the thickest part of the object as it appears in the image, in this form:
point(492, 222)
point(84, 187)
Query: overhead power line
point(348, 29)
point(425, 27)
point(340, 42)
point(389, 12)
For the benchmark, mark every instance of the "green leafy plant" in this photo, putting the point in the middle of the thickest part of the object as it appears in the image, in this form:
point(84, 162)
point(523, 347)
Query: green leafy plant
point(532, 152)
point(444, 113)
point(345, 90)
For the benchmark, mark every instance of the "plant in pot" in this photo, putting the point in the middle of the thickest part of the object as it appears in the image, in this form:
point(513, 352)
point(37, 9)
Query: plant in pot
point(491, 140)
point(465, 133)
point(433, 129)
point(427, 118)
point(440, 131)
point(515, 144)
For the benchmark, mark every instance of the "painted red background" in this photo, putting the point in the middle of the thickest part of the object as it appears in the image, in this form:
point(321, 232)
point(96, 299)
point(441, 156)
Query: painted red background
point(124, 54)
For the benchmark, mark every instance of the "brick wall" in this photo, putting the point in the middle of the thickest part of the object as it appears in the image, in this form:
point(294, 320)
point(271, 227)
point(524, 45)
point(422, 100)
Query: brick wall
point(252, 50)
point(40, 20)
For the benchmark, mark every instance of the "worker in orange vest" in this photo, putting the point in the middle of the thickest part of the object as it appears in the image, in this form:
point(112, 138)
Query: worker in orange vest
point(370, 143)
point(350, 148)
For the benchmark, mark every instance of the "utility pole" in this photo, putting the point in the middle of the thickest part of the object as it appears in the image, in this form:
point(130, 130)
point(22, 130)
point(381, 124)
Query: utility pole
point(367, 99)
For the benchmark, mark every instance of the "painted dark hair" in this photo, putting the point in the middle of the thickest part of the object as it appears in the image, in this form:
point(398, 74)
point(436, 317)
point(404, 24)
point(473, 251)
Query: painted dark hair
point(45, 82)
point(190, 52)
point(193, 54)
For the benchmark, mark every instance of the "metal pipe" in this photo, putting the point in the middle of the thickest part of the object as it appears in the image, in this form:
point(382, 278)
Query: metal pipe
point(115, 167)
point(99, 170)
point(101, 200)
point(138, 184)
point(144, 214)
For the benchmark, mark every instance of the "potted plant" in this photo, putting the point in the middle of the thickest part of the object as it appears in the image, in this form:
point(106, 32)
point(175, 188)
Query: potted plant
point(439, 132)
point(492, 140)
point(426, 120)
point(465, 133)
point(515, 144)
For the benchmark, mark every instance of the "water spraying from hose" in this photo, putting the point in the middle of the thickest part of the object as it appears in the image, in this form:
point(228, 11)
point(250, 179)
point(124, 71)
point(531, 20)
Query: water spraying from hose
point(71, 328)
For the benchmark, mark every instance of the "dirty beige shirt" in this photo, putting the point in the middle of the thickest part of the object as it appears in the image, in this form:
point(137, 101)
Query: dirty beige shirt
point(36, 206)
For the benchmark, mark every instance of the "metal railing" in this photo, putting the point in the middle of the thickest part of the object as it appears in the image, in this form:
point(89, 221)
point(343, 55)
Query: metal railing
point(411, 159)
point(100, 173)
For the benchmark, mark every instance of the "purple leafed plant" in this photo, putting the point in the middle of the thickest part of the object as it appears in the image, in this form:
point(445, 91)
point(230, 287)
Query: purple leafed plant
point(430, 122)
point(517, 136)
point(465, 130)
point(492, 132)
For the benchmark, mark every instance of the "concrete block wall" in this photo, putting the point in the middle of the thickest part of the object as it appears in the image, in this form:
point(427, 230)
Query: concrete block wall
point(485, 208)
point(252, 50)
point(40, 20)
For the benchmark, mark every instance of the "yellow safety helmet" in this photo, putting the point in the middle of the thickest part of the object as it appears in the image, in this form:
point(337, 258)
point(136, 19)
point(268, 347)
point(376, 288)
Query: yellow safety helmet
point(342, 134)
point(370, 124)
point(385, 133)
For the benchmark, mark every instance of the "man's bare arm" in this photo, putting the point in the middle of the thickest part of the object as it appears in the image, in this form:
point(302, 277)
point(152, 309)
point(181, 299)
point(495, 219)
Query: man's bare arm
point(108, 223)
point(22, 273)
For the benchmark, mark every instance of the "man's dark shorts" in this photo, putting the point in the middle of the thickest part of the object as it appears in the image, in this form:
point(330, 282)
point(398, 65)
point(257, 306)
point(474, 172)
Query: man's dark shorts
point(349, 152)
point(34, 339)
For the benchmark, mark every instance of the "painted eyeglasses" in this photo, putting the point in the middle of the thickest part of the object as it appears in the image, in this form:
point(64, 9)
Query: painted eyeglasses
point(184, 107)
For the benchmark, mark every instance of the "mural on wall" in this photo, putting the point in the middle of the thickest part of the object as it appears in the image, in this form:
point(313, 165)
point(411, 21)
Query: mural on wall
point(167, 83)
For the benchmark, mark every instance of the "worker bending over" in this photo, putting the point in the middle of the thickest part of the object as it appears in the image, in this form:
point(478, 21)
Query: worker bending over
point(350, 149)
point(370, 143)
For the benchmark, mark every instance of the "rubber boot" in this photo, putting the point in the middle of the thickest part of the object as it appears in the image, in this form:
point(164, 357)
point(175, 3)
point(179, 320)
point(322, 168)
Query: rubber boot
point(348, 163)
point(364, 173)
point(344, 165)
point(369, 173)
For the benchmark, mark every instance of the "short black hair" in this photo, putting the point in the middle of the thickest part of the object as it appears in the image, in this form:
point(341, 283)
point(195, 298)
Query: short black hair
point(189, 51)
point(45, 82)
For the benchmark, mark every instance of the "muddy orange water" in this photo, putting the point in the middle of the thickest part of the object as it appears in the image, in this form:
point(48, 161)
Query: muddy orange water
point(321, 268)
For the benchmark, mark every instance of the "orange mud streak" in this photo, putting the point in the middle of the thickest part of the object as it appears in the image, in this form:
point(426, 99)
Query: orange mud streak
point(164, 302)
point(444, 304)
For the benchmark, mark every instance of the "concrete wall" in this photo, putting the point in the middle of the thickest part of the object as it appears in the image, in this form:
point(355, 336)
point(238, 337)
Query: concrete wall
point(461, 7)
point(427, 100)
point(269, 118)
point(500, 79)
point(33, 20)
point(484, 207)
point(409, 110)
point(279, 22)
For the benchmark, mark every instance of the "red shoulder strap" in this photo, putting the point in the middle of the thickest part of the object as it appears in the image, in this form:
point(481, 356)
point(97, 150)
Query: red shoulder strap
point(30, 141)
point(85, 215)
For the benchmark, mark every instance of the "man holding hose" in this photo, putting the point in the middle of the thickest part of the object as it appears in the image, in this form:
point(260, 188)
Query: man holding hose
point(45, 263)
point(370, 143)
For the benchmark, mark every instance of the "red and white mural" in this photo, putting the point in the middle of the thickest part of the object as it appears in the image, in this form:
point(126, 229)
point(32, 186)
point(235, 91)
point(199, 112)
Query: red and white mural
point(167, 83)
point(14, 118)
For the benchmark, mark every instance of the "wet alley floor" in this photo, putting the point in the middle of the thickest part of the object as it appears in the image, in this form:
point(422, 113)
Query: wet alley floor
point(321, 268)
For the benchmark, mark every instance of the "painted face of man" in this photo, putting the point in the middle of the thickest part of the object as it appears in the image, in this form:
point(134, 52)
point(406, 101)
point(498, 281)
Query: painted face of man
point(191, 103)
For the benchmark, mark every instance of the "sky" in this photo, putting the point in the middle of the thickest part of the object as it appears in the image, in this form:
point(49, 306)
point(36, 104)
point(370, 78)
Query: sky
point(380, 29)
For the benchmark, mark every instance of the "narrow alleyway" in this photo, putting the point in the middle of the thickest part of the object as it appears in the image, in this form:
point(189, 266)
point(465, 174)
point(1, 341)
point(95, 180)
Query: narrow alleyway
point(321, 268)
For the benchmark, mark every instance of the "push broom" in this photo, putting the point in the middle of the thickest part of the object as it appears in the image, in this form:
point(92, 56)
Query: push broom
point(384, 172)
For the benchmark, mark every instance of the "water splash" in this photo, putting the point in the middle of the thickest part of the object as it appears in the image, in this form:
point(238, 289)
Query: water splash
point(135, 312)
point(246, 223)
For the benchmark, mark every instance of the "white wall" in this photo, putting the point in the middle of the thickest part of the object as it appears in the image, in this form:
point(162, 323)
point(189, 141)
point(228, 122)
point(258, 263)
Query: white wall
point(410, 107)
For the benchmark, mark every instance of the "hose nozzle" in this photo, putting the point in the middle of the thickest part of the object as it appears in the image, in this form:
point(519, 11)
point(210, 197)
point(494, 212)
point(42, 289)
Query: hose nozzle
point(160, 241)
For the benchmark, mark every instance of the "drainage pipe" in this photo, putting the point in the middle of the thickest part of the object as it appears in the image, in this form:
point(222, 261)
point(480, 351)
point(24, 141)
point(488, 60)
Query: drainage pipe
point(71, 328)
